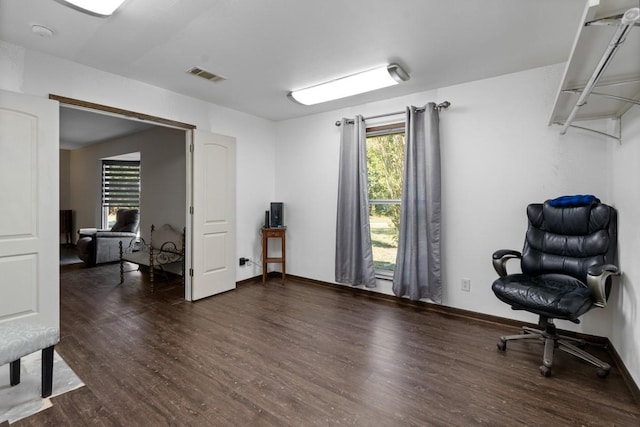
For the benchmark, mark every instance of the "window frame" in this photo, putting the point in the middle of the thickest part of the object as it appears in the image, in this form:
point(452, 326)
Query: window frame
point(383, 130)
point(120, 198)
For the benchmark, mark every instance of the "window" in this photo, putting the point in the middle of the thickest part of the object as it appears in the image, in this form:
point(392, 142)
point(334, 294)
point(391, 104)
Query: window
point(120, 188)
point(385, 163)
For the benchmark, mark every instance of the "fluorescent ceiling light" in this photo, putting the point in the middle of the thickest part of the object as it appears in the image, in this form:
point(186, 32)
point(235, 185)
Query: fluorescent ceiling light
point(94, 7)
point(366, 81)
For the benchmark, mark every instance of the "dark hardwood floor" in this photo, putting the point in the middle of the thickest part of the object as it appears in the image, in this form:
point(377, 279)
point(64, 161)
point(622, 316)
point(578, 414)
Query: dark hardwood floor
point(304, 354)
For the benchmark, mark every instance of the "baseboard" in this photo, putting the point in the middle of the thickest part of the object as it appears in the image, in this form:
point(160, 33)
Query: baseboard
point(466, 314)
point(250, 280)
point(624, 372)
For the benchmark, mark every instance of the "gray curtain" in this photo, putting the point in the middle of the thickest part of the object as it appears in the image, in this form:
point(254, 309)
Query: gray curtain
point(354, 256)
point(417, 273)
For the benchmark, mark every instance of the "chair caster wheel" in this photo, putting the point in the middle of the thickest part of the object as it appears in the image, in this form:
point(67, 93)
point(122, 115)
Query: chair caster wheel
point(502, 345)
point(602, 373)
point(545, 371)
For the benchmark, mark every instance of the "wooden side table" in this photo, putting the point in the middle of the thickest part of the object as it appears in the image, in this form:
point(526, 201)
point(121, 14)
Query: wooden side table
point(277, 233)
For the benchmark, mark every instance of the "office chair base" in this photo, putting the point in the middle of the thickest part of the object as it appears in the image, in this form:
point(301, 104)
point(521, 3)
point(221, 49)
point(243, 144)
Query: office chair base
point(552, 340)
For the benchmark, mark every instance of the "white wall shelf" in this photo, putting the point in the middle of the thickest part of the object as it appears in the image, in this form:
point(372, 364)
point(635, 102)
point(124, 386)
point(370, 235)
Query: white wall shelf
point(602, 77)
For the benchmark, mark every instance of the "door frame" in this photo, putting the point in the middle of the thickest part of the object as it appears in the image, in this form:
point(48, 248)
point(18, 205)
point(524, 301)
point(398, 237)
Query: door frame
point(188, 128)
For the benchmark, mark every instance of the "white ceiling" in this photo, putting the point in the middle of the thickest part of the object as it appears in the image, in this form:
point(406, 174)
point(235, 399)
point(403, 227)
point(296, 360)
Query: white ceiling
point(267, 48)
point(80, 127)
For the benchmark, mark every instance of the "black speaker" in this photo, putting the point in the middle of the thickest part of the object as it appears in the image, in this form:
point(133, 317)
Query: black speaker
point(277, 214)
point(266, 219)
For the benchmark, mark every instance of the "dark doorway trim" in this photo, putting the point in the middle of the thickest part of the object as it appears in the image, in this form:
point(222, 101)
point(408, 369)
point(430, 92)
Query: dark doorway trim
point(120, 111)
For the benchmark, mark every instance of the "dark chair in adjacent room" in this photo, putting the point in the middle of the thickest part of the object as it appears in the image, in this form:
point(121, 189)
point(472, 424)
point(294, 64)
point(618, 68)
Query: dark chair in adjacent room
point(100, 246)
point(566, 264)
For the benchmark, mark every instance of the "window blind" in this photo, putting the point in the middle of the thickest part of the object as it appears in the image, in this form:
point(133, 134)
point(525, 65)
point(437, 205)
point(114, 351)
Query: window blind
point(121, 183)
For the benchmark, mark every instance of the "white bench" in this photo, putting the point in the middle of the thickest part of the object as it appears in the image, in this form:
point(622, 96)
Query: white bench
point(165, 251)
point(21, 338)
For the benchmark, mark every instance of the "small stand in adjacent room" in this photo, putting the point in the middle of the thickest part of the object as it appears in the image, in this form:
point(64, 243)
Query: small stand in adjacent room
point(267, 233)
point(66, 225)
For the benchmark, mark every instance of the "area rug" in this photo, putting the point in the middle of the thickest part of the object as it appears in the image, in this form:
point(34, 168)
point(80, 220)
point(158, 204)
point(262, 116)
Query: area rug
point(24, 399)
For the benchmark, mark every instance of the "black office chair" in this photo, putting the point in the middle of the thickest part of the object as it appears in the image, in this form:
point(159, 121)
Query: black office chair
point(566, 265)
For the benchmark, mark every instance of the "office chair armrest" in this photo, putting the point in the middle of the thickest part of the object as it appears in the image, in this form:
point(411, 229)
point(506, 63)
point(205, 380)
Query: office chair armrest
point(500, 258)
point(596, 281)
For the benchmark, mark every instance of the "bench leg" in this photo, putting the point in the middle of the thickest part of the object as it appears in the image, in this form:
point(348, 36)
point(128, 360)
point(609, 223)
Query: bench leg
point(14, 372)
point(121, 262)
point(47, 371)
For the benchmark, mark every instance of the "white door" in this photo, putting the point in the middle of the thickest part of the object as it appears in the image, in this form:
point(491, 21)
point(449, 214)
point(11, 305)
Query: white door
point(29, 217)
point(213, 222)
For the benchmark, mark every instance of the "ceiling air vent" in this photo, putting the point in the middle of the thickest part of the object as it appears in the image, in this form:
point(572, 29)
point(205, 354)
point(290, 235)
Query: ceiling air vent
point(196, 71)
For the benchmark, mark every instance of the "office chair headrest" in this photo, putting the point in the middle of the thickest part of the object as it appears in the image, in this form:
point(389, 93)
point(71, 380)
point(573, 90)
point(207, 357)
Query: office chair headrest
point(573, 221)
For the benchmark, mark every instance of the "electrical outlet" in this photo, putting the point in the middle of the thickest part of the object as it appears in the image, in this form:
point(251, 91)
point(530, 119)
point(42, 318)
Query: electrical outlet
point(243, 261)
point(465, 285)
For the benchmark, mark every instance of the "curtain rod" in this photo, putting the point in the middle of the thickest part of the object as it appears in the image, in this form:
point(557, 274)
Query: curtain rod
point(440, 106)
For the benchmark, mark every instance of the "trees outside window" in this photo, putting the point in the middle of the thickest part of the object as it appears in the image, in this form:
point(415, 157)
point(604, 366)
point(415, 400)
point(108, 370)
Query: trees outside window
point(385, 163)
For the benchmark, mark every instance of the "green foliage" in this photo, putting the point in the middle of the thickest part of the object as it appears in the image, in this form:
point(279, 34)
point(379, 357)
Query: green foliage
point(385, 162)
point(384, 243)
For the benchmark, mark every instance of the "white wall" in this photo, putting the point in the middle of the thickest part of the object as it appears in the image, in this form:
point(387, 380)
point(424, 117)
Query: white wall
point(498, 155)
point(162, 178)
point(31, 72)
point(625, 297)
